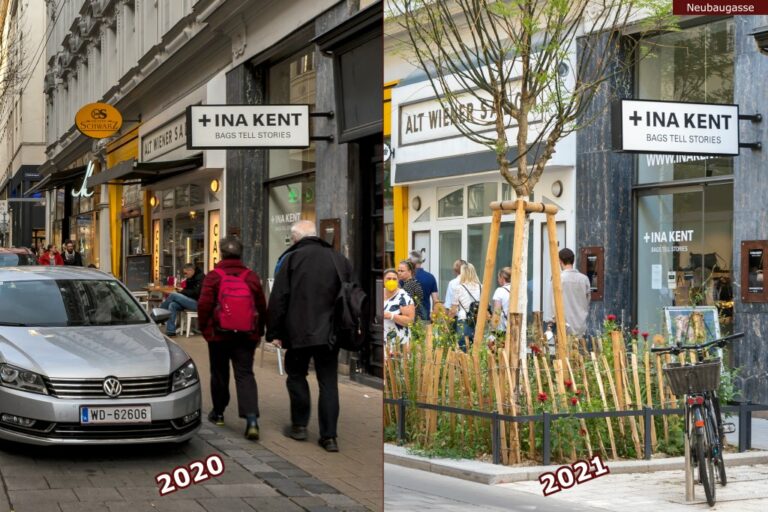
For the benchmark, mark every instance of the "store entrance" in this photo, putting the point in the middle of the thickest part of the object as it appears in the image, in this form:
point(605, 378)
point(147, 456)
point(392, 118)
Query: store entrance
point(684, 243)
point(369, 260)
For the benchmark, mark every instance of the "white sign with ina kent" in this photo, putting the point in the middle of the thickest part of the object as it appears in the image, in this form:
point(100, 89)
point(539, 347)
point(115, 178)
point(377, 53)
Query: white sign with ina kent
point(247, 126)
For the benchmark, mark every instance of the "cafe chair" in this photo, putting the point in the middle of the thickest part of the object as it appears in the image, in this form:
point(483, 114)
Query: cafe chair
point(186, 320)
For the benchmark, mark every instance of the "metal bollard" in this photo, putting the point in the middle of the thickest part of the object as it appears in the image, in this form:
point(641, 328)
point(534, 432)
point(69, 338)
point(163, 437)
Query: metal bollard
point(496, 438)
point(546, 440)
point(647, 418)
point(401, 420)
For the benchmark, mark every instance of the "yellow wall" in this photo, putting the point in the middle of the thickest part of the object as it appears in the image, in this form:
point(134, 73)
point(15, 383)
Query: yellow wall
point(399, 193)
point(124, 148)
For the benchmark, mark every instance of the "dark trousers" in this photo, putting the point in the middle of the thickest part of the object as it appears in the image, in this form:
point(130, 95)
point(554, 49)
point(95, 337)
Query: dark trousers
point(297, 368)
point(240, 352)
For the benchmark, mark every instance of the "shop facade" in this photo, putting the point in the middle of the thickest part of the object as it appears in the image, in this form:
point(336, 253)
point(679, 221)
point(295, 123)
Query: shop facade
point(443, 184)
point(331, 63)
point(689, 214)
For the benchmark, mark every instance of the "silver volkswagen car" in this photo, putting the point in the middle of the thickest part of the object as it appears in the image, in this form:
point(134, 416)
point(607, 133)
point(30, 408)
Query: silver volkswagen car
point(82, 363)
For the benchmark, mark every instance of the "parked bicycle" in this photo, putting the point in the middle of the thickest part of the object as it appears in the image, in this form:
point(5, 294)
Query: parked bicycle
point(704, 427)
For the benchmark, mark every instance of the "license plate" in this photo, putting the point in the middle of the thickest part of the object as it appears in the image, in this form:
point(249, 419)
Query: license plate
point(115, 414)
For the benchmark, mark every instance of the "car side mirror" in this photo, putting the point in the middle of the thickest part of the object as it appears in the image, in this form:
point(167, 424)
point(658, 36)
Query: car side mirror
point(160, 315)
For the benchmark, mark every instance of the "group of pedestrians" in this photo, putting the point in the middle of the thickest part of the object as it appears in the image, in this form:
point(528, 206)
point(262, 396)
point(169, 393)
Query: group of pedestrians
point(233, 315)
point(68, 256)
point(409, 299)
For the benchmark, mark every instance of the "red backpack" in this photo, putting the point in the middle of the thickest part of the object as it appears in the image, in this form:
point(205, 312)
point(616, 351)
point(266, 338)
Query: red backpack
point(236, 310)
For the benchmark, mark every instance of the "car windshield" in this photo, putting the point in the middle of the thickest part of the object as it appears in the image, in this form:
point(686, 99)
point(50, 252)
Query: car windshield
point(66, 302)
point(15, 260)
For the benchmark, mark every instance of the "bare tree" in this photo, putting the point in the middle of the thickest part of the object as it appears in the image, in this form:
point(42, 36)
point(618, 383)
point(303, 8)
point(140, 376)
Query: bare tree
point(517, 76)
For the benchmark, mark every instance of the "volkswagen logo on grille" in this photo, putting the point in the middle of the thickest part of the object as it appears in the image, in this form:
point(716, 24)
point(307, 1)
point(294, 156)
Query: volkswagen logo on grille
point(112, 387)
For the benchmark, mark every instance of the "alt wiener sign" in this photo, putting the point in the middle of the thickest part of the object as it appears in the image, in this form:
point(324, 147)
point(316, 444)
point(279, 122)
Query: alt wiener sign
point(247, 126)
point(640, 126)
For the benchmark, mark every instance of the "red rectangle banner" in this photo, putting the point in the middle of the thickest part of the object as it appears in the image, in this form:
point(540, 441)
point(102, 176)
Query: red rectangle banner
point(719, 7)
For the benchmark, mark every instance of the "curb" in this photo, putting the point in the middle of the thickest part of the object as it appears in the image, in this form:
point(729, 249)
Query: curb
point(492, 474)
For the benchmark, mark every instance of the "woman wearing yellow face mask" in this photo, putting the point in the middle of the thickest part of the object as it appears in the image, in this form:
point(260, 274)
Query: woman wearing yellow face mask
point(399, 311)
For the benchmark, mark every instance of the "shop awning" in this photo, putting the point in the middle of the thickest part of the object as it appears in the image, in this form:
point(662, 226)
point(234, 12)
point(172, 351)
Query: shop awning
point(145, 173)
point(57, 179)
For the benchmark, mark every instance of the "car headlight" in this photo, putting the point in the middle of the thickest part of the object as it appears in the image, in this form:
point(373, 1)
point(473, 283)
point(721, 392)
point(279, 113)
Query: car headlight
point(184, 377)
point(18, 378)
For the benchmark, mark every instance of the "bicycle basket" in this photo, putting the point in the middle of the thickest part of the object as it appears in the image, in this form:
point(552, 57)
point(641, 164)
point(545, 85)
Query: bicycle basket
point(693, 378)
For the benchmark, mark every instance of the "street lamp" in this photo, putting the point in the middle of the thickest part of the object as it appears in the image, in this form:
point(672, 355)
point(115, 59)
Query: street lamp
point(761, 38)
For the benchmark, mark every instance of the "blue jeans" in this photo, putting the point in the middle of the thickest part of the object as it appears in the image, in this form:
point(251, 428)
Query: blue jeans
point(463, 328)
point(174, 303)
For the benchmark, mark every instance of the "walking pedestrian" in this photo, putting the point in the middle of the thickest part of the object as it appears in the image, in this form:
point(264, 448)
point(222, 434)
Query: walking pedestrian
point(301, 308)
point(70, 256)
point(51, 256)
point(185, 299)
point(232, 314)
point(428, 283)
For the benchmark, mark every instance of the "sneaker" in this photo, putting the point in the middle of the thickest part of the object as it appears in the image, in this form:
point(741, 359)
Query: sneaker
point(329, 443)
point(252, 429)
point(216, 418)
point(296, 432)
point(171, 334)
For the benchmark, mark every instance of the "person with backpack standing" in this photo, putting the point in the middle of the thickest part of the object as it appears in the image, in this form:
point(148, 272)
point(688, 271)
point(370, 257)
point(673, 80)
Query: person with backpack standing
point(302, 308)
point(232, 314)
point(466, 302)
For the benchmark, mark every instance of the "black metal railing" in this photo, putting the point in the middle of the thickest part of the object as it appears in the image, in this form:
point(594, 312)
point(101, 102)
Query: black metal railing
point(744, 410)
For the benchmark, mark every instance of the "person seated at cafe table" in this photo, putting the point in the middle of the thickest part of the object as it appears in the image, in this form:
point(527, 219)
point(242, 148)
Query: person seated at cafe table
point(185, 299)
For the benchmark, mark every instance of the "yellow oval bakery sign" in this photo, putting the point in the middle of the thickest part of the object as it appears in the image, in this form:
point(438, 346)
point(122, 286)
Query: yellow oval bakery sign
point(98, 120)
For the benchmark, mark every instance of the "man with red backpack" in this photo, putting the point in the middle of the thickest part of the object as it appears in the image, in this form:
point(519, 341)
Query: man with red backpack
point(232, 313)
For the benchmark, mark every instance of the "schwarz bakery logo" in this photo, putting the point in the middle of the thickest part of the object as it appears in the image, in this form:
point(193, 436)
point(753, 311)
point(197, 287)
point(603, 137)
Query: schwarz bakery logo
point(98, 120)
point(719, 7)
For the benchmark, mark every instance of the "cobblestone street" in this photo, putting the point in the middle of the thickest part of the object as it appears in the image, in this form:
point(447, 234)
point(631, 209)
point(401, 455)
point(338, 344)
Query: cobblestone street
point(274, 474)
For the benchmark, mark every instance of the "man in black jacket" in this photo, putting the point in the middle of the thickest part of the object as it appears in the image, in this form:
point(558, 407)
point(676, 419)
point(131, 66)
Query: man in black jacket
point(300, 319)
point(185, 298)
point(71, 256)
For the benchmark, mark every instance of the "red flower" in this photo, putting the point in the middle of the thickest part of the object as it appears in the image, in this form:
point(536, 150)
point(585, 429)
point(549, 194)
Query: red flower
point(611, 318)
point(578, 392)
point(535, 349)
point(568, 384)
point(542, 397)
point(644, 335)
point(574, 400)
point(635, 332)
point(582, 432)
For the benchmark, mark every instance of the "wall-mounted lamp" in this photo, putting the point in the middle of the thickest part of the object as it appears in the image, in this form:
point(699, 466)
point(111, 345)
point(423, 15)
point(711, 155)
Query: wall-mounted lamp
point(557, 188)
point(761, 38)
point(416, 203)
point(215, 185)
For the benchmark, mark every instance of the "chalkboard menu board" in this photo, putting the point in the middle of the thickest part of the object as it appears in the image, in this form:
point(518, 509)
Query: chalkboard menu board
point(138, 271)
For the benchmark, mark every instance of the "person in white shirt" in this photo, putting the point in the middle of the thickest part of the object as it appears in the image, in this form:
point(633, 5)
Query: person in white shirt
point(465, 292)
point(501, 300)
point(453, 282)
point(399, 313)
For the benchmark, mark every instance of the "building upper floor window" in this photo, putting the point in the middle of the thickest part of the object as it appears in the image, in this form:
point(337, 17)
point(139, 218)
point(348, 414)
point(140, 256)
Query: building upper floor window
point(693, 65)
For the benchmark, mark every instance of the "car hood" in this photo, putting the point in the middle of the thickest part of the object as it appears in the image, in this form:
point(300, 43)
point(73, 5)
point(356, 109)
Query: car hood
point(88, 352)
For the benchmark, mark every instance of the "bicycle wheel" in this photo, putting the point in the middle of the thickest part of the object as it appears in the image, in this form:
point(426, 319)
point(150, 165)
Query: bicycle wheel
point(706, 471)
point(716, 433)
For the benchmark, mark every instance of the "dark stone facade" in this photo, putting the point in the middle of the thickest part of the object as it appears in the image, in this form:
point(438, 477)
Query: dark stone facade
point(604, 212)
point(750, 215)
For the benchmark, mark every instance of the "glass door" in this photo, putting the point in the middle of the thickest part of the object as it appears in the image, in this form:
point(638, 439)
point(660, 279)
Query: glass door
point(684, 250)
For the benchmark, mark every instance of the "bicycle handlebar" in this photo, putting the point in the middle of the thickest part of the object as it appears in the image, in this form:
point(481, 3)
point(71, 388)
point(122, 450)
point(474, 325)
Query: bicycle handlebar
point(676, 349)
